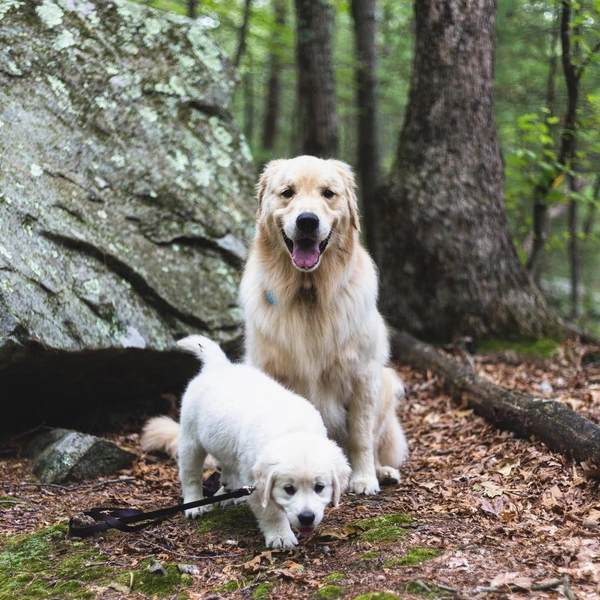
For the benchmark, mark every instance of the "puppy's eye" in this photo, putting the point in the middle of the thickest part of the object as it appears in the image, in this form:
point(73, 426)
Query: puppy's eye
point(290, 489)
point(327, 193)
point(287, 193)
point(319, 487)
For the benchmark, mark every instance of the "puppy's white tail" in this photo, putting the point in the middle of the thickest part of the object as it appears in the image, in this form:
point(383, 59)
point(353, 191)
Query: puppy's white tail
point(205, 349)
point(161, 433)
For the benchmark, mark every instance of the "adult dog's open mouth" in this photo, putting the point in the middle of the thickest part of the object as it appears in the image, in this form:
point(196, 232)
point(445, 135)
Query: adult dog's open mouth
point(306, 252)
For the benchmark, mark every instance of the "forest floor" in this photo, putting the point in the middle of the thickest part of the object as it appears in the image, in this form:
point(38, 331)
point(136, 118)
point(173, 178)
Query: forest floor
point(478, 514)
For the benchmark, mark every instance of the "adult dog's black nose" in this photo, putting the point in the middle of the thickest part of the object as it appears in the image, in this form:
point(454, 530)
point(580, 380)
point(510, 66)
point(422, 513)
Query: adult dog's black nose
point(306, 517)
point(307, 222)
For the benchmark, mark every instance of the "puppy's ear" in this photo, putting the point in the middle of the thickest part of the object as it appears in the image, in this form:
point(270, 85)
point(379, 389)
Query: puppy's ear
point(340, 475)
point(263, 182)
point(347, 176)
point(264, 477)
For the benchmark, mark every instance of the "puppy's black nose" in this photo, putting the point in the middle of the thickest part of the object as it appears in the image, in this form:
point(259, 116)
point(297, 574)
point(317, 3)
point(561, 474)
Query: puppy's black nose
point(306, 517)
point(307, 222)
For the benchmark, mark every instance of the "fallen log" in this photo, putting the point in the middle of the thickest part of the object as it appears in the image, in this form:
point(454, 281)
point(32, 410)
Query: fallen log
point(554, 423)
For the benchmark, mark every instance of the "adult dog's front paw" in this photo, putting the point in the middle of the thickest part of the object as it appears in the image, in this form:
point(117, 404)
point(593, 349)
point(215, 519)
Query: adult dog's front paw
point(281, 540)
point(363, 484)
point(194, 513)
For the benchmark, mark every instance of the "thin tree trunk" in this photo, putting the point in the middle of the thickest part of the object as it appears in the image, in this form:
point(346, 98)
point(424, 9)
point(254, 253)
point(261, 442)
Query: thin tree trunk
point(448, 265)
point(243, 35)
point(269, 135)
point(247, 82)
point(314, 41)
point(554, 423)
point(363, 12)
point(588, 225)
point(540, 207)
point(574, 250)
point(192, 9)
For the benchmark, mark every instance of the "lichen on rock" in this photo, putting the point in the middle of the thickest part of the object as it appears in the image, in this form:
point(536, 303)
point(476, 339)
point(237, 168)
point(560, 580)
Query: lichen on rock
point(126, 187)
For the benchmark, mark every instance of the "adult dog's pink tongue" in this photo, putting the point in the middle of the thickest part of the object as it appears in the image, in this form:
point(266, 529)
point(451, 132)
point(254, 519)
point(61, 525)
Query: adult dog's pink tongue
point(305, 254)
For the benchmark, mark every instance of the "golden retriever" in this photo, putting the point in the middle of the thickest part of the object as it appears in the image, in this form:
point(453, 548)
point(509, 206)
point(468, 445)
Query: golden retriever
point(275, 440)
point(309, 296)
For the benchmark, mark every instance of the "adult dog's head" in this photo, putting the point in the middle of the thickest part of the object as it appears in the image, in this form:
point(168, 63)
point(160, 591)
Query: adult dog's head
point(307, 204)
point(301, 473)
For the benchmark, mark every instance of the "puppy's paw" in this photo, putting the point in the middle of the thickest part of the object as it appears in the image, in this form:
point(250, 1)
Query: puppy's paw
point(281, 539)
point(363, 484)
point(194, 513)
point(388, 476)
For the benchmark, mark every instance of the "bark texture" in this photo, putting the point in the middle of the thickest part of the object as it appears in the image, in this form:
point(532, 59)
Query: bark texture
point(316, 84)
point(270, 128)
point(363, 12)
point(554, 423)
point(448, 265)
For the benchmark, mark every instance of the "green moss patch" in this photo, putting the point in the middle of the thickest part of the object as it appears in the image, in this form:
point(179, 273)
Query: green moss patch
point(370, 555)
point(232, 520)
point(44, 564)
point(425, 589)
point(329, 591)
point(333, 577)
point(387, 528)
point(534, 348)
point(414, 556)
point(262, 592)
point(377, 596)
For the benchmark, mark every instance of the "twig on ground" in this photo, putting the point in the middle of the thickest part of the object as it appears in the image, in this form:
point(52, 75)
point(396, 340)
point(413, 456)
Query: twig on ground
point(74, 488)
point(182, 554)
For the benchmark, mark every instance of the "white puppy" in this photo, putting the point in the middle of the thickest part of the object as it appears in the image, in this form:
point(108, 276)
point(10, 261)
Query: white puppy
point(263, 435)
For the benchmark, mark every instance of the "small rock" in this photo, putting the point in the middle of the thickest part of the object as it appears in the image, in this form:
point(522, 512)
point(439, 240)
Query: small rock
point(62, 456)
point(188, 569)
point(156, 568)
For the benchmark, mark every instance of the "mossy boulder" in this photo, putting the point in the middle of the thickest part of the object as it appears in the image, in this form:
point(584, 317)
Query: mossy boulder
point(126, 197)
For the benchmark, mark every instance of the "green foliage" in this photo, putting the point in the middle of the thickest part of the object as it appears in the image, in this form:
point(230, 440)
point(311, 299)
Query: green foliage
point(333, 577)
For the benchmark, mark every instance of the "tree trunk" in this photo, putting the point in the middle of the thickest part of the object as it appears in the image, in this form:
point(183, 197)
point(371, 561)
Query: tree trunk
point(554, 423)
point(192, 9)
point(319, 122)
point(269, 135)
point(363, 12)
point(243, 35)
point(540, 207)
point(448, 264)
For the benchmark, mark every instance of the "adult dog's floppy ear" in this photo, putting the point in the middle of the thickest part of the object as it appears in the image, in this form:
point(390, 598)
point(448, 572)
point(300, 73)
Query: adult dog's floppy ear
point(347, 176)
point(263, 181)
point(264, 476)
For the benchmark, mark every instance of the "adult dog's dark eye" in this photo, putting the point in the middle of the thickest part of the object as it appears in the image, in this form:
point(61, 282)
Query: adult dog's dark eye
point(328, 194)
point(287, 193)
point(319, 487)
point(290, 489)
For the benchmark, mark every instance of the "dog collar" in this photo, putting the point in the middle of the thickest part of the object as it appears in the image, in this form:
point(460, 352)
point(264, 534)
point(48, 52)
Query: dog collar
point(270, 299)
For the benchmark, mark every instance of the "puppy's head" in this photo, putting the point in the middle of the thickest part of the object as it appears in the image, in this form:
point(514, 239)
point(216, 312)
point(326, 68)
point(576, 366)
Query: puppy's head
point(301, 476)
point(307, 204)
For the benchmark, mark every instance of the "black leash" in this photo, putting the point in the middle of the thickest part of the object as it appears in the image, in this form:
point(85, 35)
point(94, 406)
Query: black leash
point(100, 519)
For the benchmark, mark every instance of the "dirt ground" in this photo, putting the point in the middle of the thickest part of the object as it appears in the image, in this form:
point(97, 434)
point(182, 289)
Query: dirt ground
point(479, 513)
